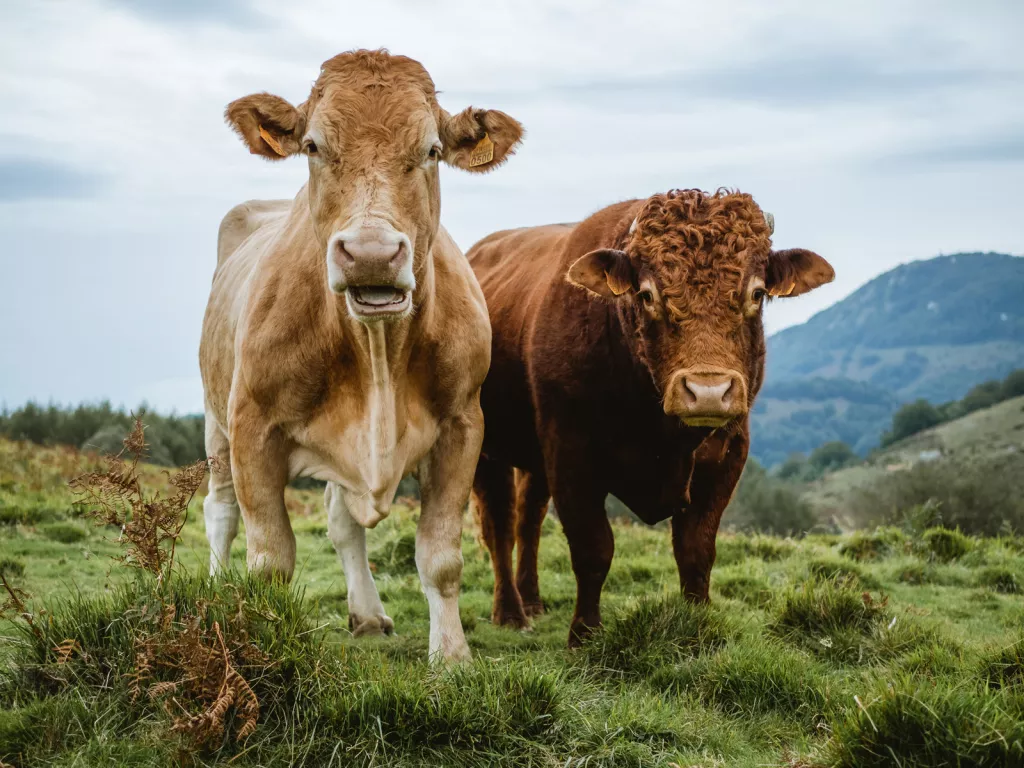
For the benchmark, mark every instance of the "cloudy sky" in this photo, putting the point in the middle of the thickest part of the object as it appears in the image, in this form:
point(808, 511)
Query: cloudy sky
point(876, 132)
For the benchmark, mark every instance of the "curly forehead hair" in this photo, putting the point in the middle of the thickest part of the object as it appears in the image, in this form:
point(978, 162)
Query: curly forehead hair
point(700, 245)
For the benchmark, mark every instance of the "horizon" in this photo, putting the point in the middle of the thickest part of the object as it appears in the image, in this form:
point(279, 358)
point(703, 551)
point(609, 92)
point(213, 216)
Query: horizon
point(877, 136)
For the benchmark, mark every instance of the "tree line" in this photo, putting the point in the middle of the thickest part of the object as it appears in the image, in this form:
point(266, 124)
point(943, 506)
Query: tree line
point(921, 415)
point(172, 441)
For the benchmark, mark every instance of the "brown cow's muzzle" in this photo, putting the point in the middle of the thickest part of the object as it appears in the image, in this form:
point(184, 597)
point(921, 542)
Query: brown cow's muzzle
point(706, 397)
point(372, 266)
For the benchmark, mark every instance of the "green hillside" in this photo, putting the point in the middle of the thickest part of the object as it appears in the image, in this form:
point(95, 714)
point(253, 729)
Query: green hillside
point(986, 437)
point(930, 329)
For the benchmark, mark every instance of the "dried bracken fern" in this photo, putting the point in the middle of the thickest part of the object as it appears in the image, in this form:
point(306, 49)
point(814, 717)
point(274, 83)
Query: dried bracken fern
point(14, 607)
point(150, 525)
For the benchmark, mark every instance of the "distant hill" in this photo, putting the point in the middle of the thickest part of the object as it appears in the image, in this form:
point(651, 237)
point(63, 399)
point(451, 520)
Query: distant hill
point(930, 329)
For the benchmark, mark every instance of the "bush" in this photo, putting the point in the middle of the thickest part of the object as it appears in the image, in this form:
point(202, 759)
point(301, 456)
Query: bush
point(945, 545)
point(910, 419)
point(831, 456)
point(981, 499)
point(769, 505)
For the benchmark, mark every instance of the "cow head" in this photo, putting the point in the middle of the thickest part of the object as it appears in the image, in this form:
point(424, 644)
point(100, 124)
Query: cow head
point(374, 134)
point(690, 277)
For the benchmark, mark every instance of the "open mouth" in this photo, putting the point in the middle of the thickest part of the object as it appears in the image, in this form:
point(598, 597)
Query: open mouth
point(367, 300)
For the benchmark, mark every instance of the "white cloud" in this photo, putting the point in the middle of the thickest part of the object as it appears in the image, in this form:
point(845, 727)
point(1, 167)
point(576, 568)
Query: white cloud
point(875, 132)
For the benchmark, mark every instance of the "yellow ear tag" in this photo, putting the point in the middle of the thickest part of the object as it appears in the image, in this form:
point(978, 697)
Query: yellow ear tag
point(482, 153)
point(273, 142)
point(617, 286)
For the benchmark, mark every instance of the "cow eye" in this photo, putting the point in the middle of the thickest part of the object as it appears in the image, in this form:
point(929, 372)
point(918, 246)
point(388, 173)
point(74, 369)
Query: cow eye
point(310, 148)
point(646, 296)
point(435, 152)
point(758, 295)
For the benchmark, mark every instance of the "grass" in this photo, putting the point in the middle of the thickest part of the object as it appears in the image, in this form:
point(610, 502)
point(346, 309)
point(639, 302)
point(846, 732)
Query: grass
point(766, 675)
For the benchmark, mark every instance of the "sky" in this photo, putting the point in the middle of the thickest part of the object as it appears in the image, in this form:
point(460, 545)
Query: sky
point(876, 133)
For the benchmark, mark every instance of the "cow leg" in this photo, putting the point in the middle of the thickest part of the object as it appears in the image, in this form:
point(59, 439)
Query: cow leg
point(446, 476)
point(220, 508)
point(695, 528)
point(493, 498)
point(532, 497)
point(579, 499)
point(366, 614)
point(259, 465)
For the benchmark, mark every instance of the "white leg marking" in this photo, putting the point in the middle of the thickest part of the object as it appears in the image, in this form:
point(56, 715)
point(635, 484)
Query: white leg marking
point(366, 614)
point(440, 568)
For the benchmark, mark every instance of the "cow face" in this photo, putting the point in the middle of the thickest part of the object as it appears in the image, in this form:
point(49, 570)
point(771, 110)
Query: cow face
point(373, 134)
point(690, 280)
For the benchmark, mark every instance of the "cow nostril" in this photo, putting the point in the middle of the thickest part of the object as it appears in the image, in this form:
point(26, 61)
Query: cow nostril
point(397, 255)
point(342, 254)
point(727, 395)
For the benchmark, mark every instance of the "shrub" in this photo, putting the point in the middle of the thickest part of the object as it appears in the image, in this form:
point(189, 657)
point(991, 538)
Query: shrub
point(769, 505)
point(917, 724)
point(945, 545)
point(910, 419)
point(981, 499)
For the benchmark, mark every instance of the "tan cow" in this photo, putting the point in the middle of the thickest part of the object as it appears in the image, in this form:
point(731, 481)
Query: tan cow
point(346, 337)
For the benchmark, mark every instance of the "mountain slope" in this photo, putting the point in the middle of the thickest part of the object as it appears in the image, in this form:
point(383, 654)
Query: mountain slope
point(930, 329)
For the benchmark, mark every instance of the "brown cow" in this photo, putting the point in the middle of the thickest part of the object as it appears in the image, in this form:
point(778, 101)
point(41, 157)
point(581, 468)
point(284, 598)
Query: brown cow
point(346, 337)
point(627, 351)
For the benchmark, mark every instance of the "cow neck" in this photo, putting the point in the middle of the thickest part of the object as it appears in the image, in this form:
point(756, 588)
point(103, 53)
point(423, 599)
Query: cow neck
point(384, 354)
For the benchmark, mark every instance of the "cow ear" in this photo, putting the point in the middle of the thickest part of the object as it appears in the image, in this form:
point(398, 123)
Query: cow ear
point(269, 125)
point(796, 271)
point(479, 140)
point(605, 272)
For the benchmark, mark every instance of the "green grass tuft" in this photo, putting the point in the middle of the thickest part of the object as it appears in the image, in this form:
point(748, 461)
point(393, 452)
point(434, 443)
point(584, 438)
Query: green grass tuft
point(1000, 579)
point(654, 632)
point(945, 545)
point(879, 543)
point(911, 724)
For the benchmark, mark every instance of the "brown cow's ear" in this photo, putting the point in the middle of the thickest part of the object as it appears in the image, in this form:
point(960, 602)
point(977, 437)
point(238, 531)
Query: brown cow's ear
point(479, 140)
point(796, 271)
point(268, 124)
point(605, 272)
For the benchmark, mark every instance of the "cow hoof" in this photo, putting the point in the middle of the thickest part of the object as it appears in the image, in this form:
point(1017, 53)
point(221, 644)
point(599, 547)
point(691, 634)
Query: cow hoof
point(371, 626)
point(533, 609)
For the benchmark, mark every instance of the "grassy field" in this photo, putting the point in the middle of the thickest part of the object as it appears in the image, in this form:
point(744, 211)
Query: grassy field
point(884, 648)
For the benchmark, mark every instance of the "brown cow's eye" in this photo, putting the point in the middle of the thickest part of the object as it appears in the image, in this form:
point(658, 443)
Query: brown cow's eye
point(758, 295)
point(310, 148)
point(646, 296)
point(435, 152)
